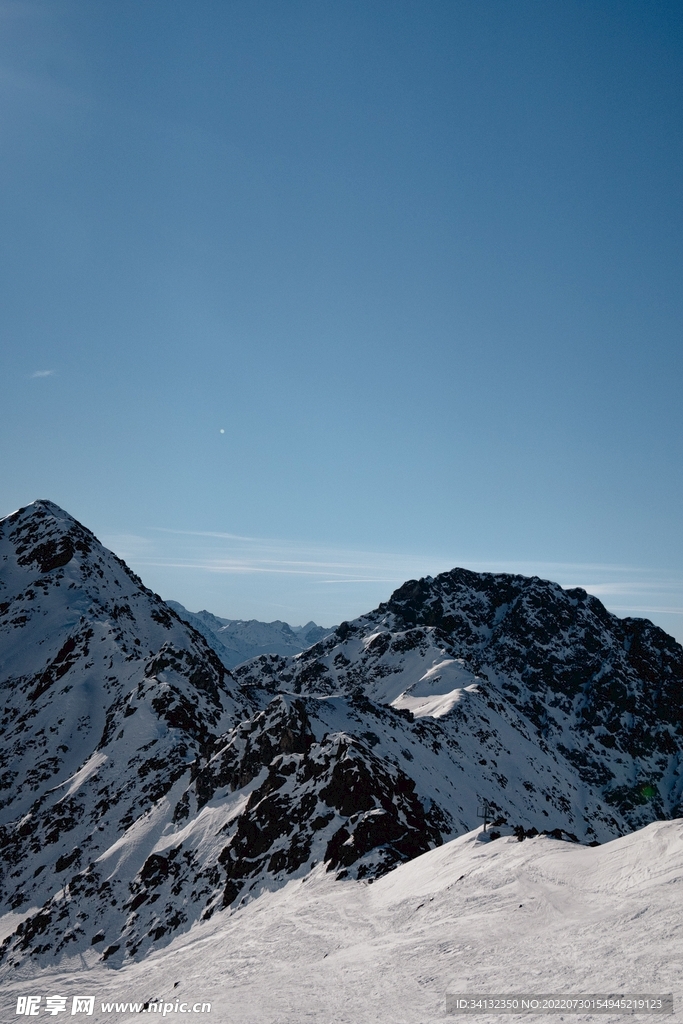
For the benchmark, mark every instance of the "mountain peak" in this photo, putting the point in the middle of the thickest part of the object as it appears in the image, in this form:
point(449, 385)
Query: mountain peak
point(41, 508)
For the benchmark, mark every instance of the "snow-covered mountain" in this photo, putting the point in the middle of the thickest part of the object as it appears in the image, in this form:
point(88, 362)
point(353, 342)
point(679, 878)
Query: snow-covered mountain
point(239, 640)
point(147, 788)
point(601, 696)
point(108, 699)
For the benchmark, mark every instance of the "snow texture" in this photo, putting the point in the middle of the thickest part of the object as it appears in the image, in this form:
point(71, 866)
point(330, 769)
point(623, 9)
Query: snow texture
point(470, 918)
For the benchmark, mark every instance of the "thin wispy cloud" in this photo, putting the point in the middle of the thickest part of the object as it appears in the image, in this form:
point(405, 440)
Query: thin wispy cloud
point(220, 552)
point(654, 610)
point(209, 533)
point(285, 568)
point(43, 373)
point(616, 588)
point(330, 583)
point(228, 552)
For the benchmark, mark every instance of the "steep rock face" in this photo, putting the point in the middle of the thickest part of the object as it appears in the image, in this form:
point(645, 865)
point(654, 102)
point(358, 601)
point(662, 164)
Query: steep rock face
point(107, 701)
point(561, 657)
point(603, 696)
point(331, 800)
point(77, 632)
point(550, 639)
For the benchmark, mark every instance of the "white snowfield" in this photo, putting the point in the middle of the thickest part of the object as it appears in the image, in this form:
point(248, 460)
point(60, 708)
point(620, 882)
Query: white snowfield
point(424, 680)
point(471, 917)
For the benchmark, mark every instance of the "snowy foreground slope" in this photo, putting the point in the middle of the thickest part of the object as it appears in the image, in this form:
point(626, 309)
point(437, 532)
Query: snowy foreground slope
point(471, 917)
point(146, 788)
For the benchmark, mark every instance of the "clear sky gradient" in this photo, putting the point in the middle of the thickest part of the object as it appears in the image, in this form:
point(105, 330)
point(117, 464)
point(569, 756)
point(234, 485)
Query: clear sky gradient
point(301, 299)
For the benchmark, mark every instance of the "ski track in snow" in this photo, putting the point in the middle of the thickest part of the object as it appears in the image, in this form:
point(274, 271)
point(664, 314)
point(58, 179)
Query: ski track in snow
point(470, 917)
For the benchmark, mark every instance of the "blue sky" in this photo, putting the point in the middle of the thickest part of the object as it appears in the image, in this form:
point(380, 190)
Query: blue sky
point(300, 300)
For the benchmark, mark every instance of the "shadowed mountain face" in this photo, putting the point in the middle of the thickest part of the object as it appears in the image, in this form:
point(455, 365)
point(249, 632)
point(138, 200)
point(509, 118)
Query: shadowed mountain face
point(603, 694)
point(145, 786)
point(560, 656)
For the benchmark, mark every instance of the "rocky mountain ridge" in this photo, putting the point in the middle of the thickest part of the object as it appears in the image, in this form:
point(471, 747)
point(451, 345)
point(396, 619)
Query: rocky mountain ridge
point(605, 693)
point(145, 786)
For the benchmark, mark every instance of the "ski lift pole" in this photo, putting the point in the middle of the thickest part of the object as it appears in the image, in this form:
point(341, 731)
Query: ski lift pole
point(485, 811)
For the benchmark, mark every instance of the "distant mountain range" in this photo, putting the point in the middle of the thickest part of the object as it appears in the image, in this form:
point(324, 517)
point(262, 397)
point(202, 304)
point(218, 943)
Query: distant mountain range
point(238, 640)
point(145, 786)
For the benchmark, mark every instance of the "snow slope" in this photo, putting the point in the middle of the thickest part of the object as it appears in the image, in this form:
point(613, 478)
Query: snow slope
point(471, 917)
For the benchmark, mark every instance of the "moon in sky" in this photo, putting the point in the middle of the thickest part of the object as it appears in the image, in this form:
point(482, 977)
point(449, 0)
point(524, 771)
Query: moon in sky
point(222, 431)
